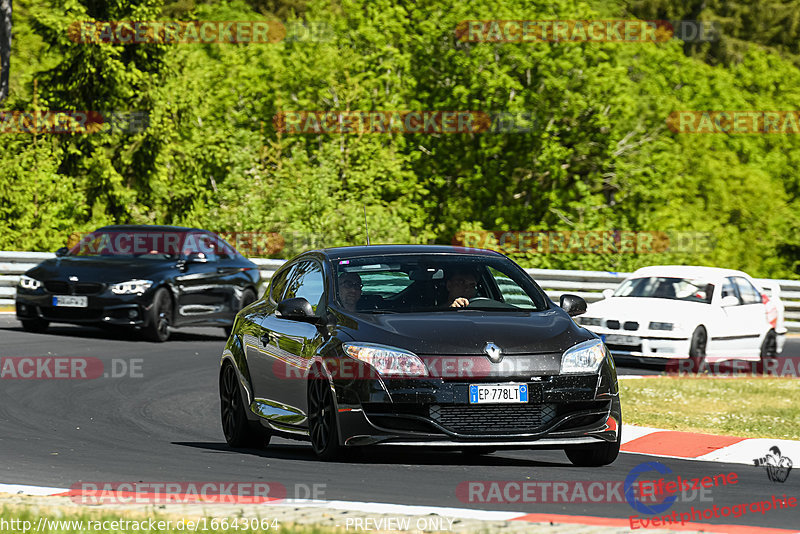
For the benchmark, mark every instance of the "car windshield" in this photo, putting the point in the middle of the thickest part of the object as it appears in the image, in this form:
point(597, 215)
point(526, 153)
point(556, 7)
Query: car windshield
point(688, 289)
point(415, 283)
point(150, 244)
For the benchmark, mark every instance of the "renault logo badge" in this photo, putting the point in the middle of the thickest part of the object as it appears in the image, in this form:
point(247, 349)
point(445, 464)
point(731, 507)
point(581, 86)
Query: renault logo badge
point(493, 352)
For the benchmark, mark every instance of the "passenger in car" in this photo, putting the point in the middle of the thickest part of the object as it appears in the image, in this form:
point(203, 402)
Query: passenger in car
point(462, 285)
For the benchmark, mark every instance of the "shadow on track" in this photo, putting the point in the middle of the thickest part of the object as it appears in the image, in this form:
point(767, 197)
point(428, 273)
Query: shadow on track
point(381, 455)
point(117, 333)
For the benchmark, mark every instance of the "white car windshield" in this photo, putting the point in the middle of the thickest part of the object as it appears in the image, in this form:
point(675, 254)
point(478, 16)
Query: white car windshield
point(693, 290)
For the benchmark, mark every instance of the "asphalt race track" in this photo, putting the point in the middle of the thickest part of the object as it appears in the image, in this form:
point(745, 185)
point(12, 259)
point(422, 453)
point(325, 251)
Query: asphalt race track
point(160, 422)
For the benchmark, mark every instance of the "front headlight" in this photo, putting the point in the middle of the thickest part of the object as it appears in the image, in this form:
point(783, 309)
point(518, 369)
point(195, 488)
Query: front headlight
point(389, 361)
point(590, 321)
point(584, 357)
point(26, 282)
point(131, 287)
point(662, 326)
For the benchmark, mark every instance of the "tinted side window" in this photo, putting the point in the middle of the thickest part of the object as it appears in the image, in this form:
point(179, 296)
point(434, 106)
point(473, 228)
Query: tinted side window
point(749, 294)
point(729, 289)
point(307, 283)
point(278, 284)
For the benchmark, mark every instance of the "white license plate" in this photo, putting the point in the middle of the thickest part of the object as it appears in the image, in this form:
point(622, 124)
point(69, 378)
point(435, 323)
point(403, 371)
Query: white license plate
point(497, 393)
point(616, 339)
point(69, 301)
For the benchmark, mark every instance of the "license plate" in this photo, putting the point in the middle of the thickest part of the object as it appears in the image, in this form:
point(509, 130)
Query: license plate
point(616, 339)
point(70, 301)
point(497, 393)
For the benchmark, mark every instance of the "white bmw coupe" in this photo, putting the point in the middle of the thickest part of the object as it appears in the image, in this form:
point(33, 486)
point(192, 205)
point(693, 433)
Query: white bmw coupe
point(705, 314)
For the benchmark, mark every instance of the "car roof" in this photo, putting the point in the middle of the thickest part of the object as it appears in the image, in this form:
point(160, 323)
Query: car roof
point(687, 271)
point(148, 228)
point(385, 250)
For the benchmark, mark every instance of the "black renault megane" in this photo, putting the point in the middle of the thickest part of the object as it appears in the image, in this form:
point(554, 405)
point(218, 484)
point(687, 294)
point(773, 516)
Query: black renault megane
point(153, 278)
point(418, 346)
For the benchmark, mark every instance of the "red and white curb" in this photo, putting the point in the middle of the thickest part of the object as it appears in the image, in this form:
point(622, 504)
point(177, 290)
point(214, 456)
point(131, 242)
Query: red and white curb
point(449, 514)
point(702, 447)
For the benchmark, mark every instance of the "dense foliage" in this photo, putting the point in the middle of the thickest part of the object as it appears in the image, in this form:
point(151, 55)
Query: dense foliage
point(599, 156)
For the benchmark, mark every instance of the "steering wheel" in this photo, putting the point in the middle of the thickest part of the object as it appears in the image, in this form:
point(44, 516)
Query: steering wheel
point(478, 300)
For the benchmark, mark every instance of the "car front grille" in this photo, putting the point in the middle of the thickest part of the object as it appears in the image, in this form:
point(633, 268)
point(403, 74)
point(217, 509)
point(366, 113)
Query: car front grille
point(631, 325)
point(612, 324)
point(61, 287)
point(494, 419)
point(71, 314)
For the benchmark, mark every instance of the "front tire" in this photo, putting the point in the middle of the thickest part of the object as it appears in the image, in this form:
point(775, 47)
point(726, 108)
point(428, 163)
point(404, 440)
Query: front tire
point(697, 349)
point(769, 352)
point(36, 326)
point(595, 455)
point(239, 432)
point(160, 317)
point(322, 428)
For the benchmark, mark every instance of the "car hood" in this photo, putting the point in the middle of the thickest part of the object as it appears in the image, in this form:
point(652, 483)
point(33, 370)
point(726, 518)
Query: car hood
point(466, 332)
point(103, 270)
point(644, 309)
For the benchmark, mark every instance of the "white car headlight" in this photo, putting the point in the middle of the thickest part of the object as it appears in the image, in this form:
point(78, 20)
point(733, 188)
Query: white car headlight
point(662, 326)
point(131, 287)
point(590, 321)
point(26, 282)
point(389, 361)
point(584, 357)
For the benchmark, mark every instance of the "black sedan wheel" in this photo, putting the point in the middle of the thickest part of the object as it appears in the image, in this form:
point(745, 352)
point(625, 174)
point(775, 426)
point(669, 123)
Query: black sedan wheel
point(322, 419)
point(160, 317)
point(595, 455)
point(239, 432)
point(38, 326)
point(248, 297)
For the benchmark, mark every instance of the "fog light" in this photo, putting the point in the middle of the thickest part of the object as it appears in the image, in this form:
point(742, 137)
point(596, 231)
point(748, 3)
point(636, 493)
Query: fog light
point(23, 308)
point(132, 314)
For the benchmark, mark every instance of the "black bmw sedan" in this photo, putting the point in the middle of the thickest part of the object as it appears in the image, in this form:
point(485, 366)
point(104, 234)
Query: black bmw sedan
point(152, 278)
point(418, 346)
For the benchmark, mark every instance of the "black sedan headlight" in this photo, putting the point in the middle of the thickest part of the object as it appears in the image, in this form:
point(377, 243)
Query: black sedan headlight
point(583, 358)
point(26, 282)
point(131, 287)
point(388, 361)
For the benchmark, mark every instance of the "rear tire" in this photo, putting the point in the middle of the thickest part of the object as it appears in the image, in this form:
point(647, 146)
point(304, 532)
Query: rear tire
point(697, 349)
point(248, 297)
point(595, 455)
point(238, 430)
point(160, 317)
point(37, 326)
point(769, 353)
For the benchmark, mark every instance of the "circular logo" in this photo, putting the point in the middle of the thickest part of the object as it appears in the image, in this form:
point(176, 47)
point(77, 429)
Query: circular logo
point(630, 484)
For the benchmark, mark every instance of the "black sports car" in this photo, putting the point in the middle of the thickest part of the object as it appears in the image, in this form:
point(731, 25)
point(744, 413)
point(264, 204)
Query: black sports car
point(150, 277)
point(417, 345)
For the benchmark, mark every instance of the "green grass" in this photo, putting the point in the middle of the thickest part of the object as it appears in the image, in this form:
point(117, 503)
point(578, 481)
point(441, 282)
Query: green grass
point(21, 513)
point(746, 407)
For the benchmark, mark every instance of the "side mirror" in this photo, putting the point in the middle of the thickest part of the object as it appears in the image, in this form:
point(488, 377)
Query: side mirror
point(62, 252)
point(608, 293)
point(572, 304)
point(297, 309)
point(196, 257)
point(730, 300)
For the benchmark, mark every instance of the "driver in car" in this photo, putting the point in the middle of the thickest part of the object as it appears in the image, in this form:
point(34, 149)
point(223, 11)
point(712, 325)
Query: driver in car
point(349, 290)
point(461, 286)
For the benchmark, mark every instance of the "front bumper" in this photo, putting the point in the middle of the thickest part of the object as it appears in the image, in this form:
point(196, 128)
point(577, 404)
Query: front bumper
point(104, 308)
point(562, 410)
point(647, 348)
